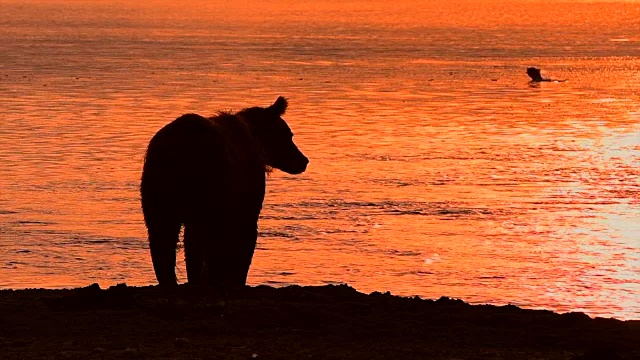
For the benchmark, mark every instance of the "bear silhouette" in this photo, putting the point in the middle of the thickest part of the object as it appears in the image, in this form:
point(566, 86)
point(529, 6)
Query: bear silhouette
point(209, 175)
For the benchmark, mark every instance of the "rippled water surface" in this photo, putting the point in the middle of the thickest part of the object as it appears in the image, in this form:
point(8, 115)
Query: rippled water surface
point(436, 168)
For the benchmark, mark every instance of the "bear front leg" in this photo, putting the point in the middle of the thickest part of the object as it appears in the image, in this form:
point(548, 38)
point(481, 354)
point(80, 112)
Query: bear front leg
point(242, 246)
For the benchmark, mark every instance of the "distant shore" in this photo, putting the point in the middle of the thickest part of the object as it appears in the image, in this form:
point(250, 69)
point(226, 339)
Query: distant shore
point(325, 322)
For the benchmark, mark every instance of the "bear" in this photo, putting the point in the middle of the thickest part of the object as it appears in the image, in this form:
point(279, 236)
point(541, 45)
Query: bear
point(208, 175)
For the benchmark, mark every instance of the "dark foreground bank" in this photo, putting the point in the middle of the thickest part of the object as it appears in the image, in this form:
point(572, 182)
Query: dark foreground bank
point(328, 322)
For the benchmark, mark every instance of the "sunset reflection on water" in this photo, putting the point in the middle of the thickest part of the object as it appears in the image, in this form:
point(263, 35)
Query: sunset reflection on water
point(436, 169)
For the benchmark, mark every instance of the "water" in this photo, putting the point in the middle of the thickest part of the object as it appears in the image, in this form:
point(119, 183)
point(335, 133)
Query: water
point(436, 168)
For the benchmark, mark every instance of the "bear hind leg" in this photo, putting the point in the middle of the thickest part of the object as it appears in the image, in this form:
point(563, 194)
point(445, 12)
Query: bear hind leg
point(163, 241)
point(195, 239)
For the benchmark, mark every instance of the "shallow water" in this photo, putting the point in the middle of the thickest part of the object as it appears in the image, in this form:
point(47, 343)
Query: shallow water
point(436, 168)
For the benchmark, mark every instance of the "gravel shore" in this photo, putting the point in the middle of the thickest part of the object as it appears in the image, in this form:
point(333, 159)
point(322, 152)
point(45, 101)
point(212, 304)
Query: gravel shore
point(324, 322)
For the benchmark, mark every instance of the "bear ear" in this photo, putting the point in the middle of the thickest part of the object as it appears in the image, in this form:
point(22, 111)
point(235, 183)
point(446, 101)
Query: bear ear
point(280, 106)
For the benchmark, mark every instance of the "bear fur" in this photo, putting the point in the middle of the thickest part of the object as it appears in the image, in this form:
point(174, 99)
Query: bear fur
point(208, 175)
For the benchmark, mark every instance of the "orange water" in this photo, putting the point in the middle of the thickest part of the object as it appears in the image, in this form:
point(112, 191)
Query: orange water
point(436, 168)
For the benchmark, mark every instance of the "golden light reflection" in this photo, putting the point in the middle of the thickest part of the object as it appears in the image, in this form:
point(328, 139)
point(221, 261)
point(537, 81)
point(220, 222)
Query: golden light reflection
point(435, 169)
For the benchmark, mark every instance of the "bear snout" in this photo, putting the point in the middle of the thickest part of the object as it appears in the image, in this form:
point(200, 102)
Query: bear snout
point(297, 167)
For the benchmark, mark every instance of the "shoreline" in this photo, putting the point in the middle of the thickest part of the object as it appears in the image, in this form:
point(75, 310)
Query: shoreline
point(293, 322)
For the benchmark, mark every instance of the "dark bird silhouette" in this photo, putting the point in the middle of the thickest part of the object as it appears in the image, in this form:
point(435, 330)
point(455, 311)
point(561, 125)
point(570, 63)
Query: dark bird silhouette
point(534, 74)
